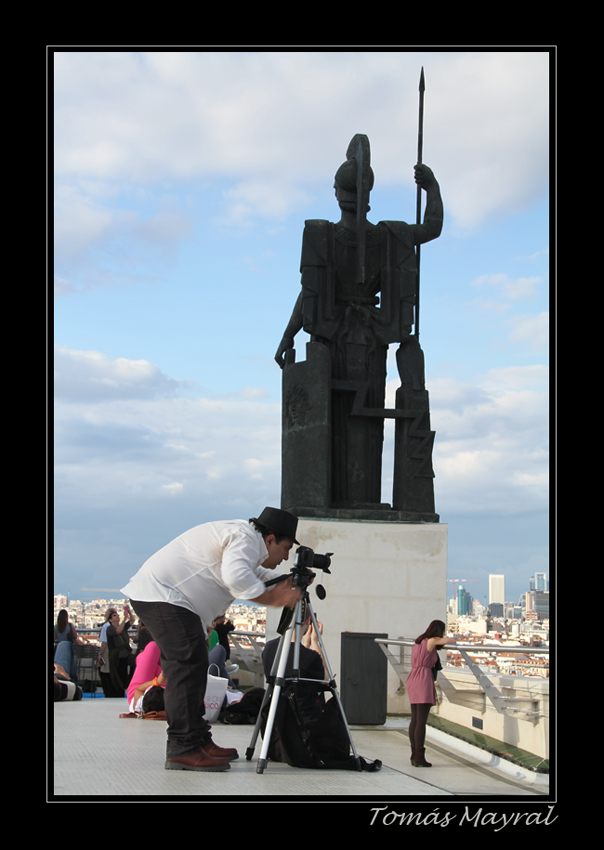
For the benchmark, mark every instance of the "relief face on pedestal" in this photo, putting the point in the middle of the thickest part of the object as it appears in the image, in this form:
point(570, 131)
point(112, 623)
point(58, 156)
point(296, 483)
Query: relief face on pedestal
point(296, 407)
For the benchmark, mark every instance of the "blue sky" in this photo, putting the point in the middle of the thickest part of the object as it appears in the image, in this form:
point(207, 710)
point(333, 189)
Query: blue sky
point(182, 181)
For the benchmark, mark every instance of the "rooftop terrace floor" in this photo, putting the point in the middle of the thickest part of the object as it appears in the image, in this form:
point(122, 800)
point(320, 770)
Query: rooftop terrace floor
point(99, 754)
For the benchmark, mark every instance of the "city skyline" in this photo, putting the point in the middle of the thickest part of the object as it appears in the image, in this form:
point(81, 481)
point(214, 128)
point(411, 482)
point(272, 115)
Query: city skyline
point(459, 584)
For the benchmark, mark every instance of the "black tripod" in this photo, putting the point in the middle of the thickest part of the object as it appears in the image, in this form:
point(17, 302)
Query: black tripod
point(278, 680)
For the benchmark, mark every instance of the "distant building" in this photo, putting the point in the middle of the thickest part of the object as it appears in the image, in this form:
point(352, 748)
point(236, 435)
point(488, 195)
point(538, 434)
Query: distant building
point(474, 625)
point(537, 604)
point(496, 589)
point(512, 612)
point(464, 601)
point(478, 609)
point(538, 582)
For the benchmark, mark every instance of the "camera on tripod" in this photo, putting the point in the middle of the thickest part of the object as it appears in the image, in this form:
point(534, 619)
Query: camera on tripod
point(285, 675)
point(305, 561)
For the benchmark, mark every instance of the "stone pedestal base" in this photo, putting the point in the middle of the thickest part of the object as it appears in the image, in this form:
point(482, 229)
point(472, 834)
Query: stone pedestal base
point(385, 577)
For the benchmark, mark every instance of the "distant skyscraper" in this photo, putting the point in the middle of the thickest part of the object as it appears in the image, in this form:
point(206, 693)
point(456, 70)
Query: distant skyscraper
point(538, 582)
point(464, 601)
point(496, 589)
point(537, 601)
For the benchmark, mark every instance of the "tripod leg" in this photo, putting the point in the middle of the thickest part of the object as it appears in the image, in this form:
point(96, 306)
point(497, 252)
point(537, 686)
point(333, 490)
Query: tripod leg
point(267, 696)
point(332, 683)
point(262, 761)
point(250, 750)
point(280, 664)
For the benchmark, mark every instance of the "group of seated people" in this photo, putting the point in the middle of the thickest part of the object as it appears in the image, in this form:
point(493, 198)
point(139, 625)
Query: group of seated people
point(135, 673)
point(145, 690)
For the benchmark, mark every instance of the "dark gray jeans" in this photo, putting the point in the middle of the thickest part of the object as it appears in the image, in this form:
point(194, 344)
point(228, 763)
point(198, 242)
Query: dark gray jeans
point(184, 660)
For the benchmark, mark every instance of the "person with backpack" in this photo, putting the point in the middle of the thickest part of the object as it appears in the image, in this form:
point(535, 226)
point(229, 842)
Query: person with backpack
point(309, 731)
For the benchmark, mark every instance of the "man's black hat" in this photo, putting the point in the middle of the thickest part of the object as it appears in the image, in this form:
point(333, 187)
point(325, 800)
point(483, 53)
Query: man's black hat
point(279, 522)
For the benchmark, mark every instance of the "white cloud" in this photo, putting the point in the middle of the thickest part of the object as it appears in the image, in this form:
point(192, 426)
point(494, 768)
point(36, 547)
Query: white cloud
point(529, 333)
point(515, 378)
point(119, 433)
point(532, 332)
point(519, 289)
point(61, 286)
point(265, 197)
point(173, 489)
point(275, 123)
point(491, 449)
point(79, 219)
point(119, 421)
point(114, 244)
point(92, 377)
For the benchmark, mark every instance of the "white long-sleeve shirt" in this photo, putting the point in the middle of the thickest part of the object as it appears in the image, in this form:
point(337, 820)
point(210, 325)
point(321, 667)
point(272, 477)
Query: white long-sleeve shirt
point(205, 569)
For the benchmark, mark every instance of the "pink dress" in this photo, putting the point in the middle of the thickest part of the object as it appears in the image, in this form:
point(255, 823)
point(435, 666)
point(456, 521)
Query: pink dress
point(420, 683)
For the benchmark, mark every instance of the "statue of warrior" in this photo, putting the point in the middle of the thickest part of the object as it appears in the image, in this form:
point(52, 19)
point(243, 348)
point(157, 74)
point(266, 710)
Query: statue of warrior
point(358, 295)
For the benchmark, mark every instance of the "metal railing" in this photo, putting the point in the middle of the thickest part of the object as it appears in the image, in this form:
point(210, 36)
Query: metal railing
point(246, 649)
point(525, 707)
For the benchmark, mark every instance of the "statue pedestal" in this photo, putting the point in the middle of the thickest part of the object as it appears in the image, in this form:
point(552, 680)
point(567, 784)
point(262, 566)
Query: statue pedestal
point(386, 577)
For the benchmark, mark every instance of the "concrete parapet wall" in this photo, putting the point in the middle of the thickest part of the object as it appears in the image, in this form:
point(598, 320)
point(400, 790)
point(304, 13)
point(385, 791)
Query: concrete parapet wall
point(514, 727)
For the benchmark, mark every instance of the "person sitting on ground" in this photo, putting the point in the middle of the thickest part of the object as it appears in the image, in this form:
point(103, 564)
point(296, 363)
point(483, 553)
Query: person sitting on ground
point(146, 688)
point(309, 731)
point(64, 689)
point(311, 664)
point(217, 656)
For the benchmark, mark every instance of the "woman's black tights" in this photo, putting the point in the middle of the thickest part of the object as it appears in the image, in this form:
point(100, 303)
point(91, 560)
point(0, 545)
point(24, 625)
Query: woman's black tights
point(417, 727)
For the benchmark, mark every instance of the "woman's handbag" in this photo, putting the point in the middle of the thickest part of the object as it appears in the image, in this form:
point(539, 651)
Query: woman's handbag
point(437, 666)
point(215, 692)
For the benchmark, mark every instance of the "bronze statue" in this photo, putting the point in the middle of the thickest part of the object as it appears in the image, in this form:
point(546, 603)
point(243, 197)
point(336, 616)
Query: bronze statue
point(359, 294)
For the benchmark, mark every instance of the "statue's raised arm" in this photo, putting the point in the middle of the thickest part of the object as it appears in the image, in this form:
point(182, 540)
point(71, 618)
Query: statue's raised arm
point(432, 225)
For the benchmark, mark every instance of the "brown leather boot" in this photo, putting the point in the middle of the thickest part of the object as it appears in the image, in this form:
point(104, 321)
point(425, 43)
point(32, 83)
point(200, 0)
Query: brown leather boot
point(217, 752)
point(420, 760)
point(197, 761)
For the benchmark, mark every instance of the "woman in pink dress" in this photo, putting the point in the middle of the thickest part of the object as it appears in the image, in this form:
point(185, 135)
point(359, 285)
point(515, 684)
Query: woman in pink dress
point(421, 689)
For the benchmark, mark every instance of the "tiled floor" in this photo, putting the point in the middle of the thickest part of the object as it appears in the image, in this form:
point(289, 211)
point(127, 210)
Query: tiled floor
point(99, 754)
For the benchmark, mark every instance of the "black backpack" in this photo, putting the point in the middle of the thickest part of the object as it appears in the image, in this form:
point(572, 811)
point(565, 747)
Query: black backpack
point(244, 711)
point(322, 744)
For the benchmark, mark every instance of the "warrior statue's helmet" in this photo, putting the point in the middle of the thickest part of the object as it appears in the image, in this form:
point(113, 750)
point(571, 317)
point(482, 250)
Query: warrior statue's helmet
point(354, 181)
point(354, 178)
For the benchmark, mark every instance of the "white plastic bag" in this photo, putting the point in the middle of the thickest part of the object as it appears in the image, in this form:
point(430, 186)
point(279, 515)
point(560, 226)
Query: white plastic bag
point(215, 692)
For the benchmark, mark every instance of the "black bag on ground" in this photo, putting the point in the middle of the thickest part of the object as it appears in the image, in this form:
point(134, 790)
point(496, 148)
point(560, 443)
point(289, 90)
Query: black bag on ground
point(320, 744)
point(244, 711)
